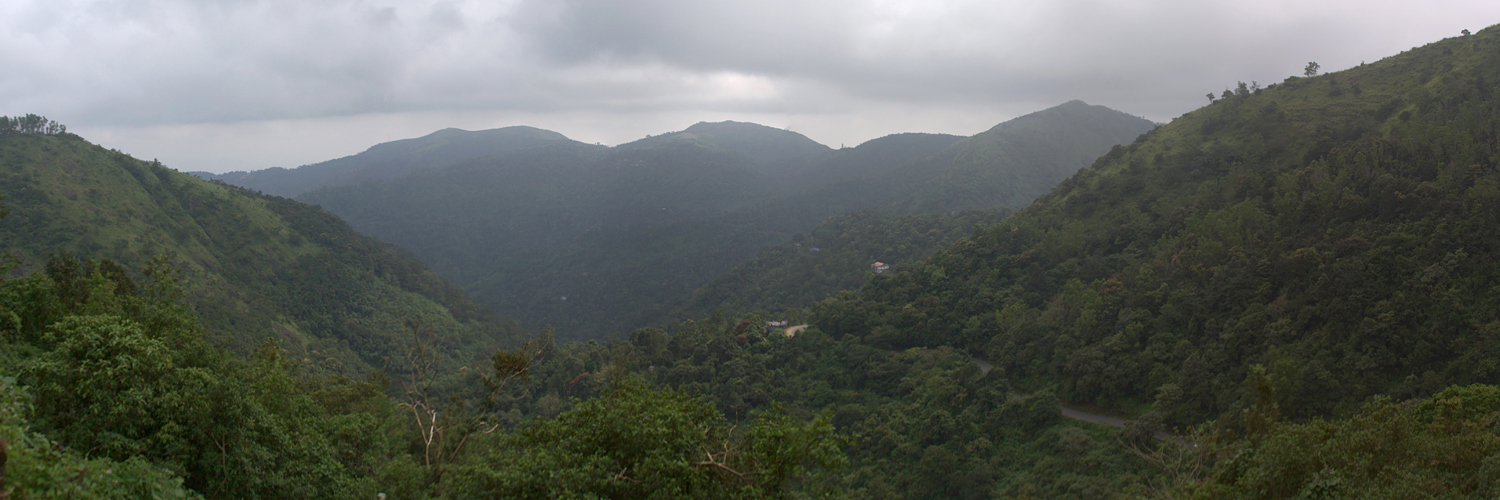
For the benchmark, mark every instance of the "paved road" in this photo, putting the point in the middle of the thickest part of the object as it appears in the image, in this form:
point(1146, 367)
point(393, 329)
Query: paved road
point(985, 367)
point(792, 331)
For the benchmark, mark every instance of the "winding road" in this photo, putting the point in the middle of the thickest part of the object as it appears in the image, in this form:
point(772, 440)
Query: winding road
point(1076, 414)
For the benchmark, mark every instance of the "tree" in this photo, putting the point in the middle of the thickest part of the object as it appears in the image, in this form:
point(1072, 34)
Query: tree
point(104, 385)
point(30, 124)
point(642, 442)
point(7, 261)
point(444, 434)
point(1210, 97)
point(1446, 444)
point(1311, 70)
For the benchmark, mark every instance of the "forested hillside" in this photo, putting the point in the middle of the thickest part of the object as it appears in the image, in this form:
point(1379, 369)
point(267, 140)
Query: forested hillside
point(115, 381)
point(784, 157)
point(1006, 166)
point(254, 267)
point(1337, 230)
point(836, 255)
point(1013, 163)
point(593, 240)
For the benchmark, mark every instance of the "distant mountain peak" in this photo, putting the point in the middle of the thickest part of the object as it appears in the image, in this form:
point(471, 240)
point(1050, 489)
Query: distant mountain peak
point(395, 159)
point(778, 149)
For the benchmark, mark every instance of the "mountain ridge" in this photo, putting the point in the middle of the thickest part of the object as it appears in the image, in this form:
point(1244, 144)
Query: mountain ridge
point(1325, 229)
point(577, 240)
point(391, 159)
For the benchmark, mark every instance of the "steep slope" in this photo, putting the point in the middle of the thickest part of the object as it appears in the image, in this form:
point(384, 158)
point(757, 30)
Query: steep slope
point(1007, 166)
point(1013, 163)
point(256, 267)
point(1339, 231)
point(391, 159)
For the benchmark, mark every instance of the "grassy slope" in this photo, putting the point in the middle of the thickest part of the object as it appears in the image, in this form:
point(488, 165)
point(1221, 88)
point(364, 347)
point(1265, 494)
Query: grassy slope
point(256, 267)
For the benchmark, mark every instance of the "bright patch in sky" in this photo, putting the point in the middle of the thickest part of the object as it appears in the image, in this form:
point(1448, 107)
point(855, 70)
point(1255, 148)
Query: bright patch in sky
point(248, 84)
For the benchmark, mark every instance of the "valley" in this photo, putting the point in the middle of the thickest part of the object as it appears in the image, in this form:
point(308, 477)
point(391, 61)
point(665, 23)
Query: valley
point(1295, 285)
point(629, 233)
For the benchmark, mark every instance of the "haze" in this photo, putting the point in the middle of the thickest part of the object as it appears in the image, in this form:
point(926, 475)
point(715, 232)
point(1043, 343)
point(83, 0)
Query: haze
point(245, 84)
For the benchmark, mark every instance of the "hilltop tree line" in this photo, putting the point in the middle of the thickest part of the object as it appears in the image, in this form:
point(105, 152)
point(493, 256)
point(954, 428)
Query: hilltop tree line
point(31, 124)
point(1350, 254)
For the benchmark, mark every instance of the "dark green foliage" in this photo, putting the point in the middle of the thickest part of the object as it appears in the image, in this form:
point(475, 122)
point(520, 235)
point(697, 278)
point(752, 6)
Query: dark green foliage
point(1445, 446)
point(1344, 246)
point(31, 124)
point(922, 423)
point(35, 467)
point(119, 372)
point(640, 442)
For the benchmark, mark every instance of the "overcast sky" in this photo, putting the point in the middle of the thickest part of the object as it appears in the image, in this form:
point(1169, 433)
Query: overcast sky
point(224, 85)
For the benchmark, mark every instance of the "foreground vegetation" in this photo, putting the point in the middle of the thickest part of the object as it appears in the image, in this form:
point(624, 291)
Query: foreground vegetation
point(97, 405)
point(111, 389)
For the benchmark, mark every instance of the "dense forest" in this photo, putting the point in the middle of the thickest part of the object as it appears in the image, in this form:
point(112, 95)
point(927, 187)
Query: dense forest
point(1338, 230)
point(592, 239)
point(1290, 292)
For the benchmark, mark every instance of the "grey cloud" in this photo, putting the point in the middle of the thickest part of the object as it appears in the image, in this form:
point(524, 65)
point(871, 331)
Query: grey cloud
point(939, 51)
point(153, 63)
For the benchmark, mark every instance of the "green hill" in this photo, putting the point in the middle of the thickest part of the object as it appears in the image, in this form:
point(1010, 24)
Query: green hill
point(1013, 163)
point(783, 155)
point(255, 267)
point(390, 160)
point(594, 240)
point(1007, 166)
point(1337, 230)
point(112, 387)
point(609, 229)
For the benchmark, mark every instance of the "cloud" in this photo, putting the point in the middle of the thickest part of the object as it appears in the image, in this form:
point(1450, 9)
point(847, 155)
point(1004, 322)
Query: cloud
point(137, 68)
